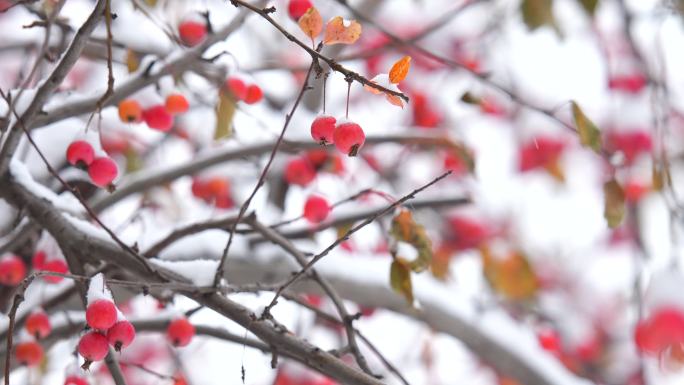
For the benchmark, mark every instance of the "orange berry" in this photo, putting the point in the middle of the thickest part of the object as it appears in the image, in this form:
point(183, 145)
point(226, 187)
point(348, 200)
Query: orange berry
point(176, 104)
point(130, 111)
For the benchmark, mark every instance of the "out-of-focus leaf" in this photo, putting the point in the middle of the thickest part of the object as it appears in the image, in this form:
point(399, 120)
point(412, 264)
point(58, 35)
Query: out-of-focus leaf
point(343, 229)
point(614, 203)
point(132, 61)
point(510, 275)
point(224, 116)
point(470, 99)
point(400, 278)
point(133, 161)
point(589, 6)
point(589, 134)
point(340, 31)
point(439, 266)
point(405, 228)
point(660, 176)
point(537, 13)
point(151, 3)
point(311, 23)
point(555, 170)
point(400, 69)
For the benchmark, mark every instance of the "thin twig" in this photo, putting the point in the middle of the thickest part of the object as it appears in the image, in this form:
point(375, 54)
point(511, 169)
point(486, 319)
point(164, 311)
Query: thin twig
point(349, 232)
point(315, 53)
point(262, 177)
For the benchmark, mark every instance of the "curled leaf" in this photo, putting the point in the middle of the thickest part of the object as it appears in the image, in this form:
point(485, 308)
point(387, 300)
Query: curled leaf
point(311, 23)
point(383, 80)
point(589, 134)
point(614, 203)
point(340, 31)
point(400, 278)
point(405, 228)
point(400, 69)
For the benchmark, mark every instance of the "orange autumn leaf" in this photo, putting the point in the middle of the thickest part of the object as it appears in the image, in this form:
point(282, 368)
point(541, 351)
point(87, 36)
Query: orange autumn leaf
point(383, 80)
point(400, 69)
point(510, 275)
point(340, 31)
point(311, 23)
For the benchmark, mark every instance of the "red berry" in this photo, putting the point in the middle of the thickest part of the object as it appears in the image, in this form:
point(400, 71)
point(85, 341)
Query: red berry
point(237, 87)
point(80, 153)
point(157, 118)
point(467, 233)
point(540, 152)
point(349, 138)
point(93, 346)
point(663, 329)
point(635, 190)
point(323, 128)
point(630, 143)
point(549, 340)
point(29, 353)
point(12, 270)
point(176, 104)
point(180, 332)
point(192, 32)
point(55, 266)
point(632, 83)
point(299, 171)
point(103, 171)
point(297, 8)
point(38, 260)
point(101, 314)
point(38, 324)
point(121, 335)
point(75, 380)
point(254, 94)
point(316, 209)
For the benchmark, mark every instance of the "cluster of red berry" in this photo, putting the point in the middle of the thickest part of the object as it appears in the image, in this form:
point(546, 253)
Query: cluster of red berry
point(213, 190)
point(157, 117)
point(13, 269)
point(108, 325)
point(240, 89)
point(102, 169)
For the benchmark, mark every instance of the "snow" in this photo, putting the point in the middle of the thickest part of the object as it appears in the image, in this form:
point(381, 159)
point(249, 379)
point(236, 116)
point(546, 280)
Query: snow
point(200, 271)
point(98, 290)
point(63, 202)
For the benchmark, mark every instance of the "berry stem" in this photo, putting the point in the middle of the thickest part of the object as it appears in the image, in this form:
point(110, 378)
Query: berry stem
point(325, 81)
point(346, 114)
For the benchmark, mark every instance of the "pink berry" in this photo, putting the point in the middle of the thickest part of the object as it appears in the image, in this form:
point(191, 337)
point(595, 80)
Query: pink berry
point(299, 171)
point(297, 8)
point(121, 335)
point(316, 209)
point(38, 324)
point(254, 94)
point(29, 353)
point(323, 129)
point(158, 118)
point(80, 153)
point(237, 87)
point(180, 332)
point(349, 138)
point(101, 314)
point(192, 33)
point(12, 270)
point(75, 380)
point(93, 346)
point(55, 266)
point(103, 171)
